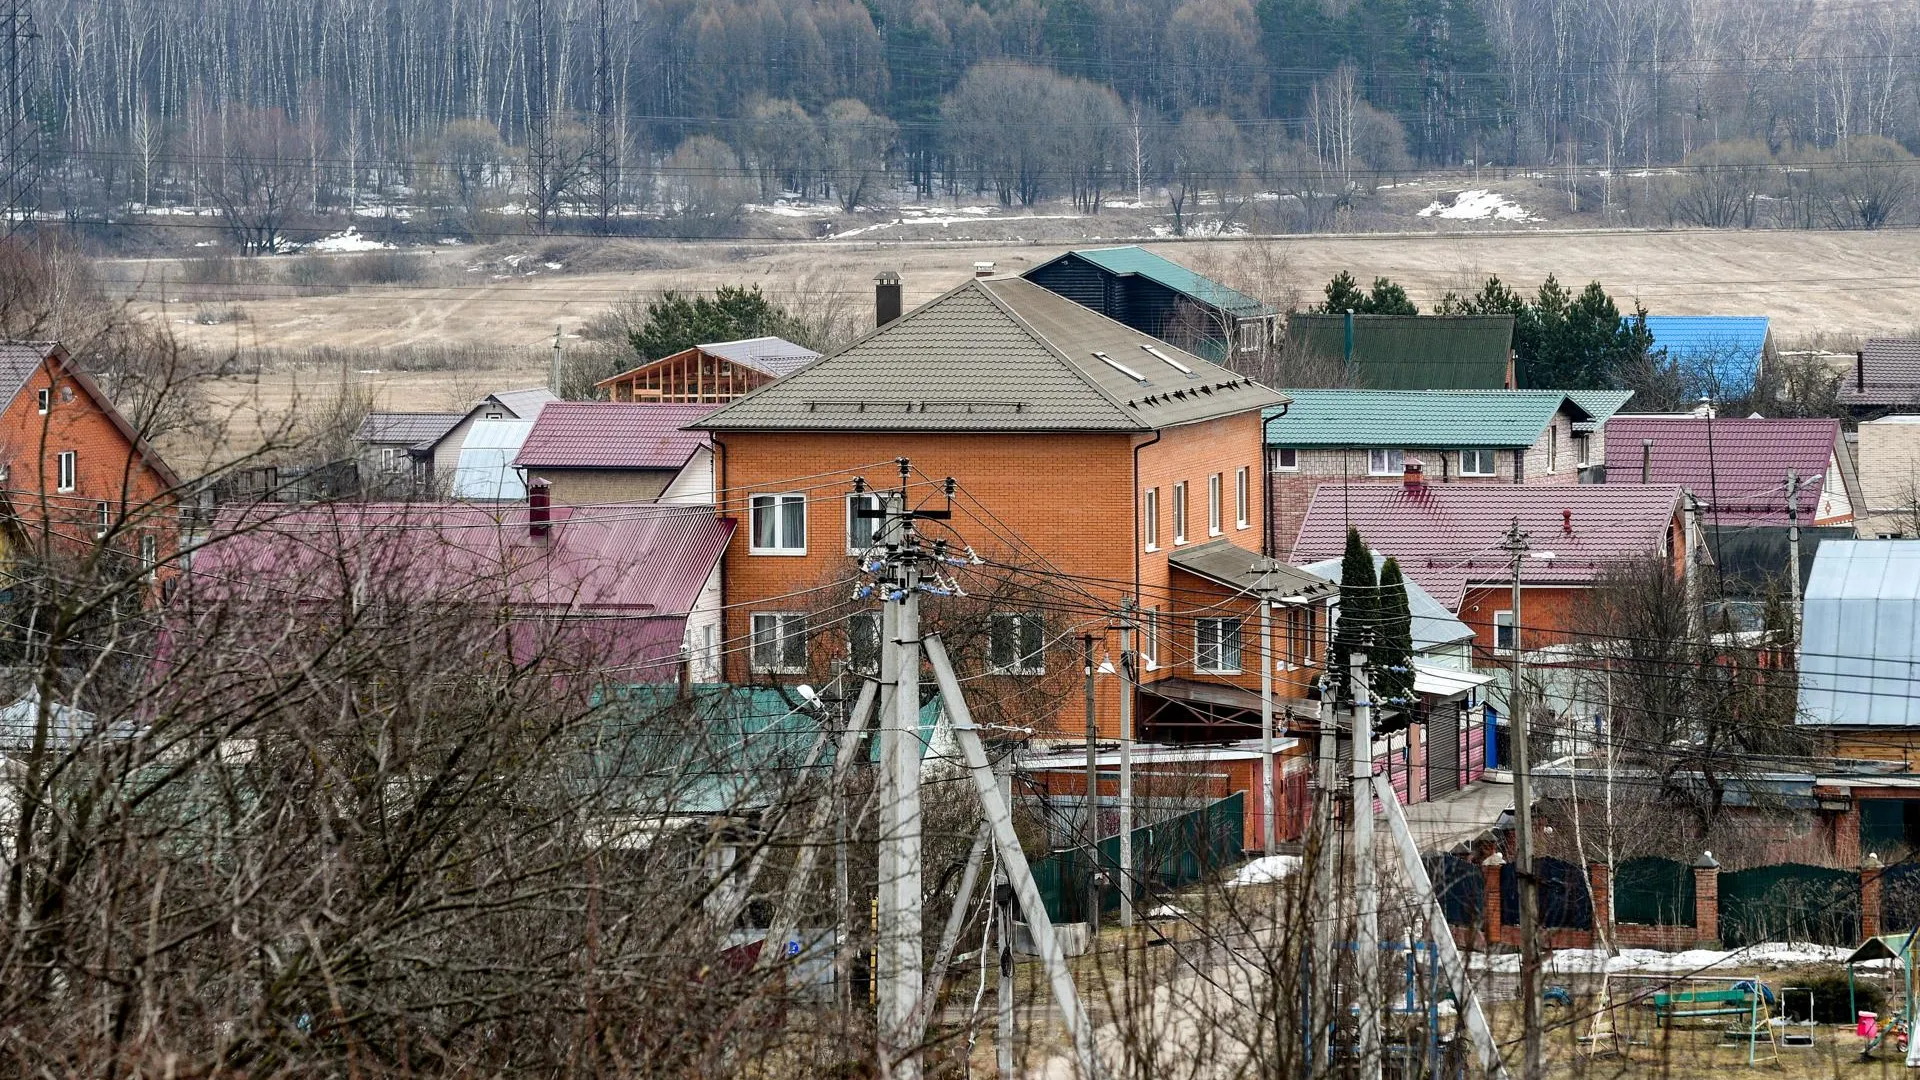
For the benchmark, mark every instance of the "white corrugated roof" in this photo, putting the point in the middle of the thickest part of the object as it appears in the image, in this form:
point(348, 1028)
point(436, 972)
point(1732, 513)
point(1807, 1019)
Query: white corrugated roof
point(1860, 635)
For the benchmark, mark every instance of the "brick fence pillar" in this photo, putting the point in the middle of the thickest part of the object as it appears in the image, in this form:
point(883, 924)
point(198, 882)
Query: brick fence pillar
point(1490, 895)
point(1601, 884)
point(1870, 871)
point(1706, 900)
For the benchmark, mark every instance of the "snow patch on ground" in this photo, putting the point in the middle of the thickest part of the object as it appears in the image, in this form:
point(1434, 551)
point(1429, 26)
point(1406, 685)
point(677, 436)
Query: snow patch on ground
point(1266, 870)
point(1478, 205)
point(783, 208)
point(1654, 962)
point(350, 240)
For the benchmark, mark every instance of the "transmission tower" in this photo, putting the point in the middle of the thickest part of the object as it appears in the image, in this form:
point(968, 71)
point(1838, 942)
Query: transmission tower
point(540, 156)
point(19, 142)
point(606, 156)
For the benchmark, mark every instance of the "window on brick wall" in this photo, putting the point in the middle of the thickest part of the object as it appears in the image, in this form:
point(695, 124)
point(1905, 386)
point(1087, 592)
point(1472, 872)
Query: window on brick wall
point(1017, 643)
point(778, 525)
point(1384, 462)
point(1582, 450)
point(68, 468)
point(1503, 631)
point(1216, 646)
point(1476, 463)
point(1150, 637)
point(1242, 503)
point(1286, 459)
point(1150, 518)
point(779, 642)
point(1553, 449)
point(1180, 512)
point(1215, 509)
point(149, 553)
point(45, 400)
point(863, 641)
point(102, 518)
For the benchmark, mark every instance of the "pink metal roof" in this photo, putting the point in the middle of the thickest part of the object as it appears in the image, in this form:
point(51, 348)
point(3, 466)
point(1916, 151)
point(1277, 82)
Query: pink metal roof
point(1448, 536)
point(613, 435)
point(1742, 480)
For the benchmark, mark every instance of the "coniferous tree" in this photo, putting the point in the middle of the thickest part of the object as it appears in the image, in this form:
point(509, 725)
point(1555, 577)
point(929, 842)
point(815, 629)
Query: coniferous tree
point(1358, 611)
point(1391, 655)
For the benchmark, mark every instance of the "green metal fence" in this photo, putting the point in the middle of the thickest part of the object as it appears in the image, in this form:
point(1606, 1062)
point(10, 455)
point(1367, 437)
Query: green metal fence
point(1790, 902)
point(1167, 855)
point(1653, 892)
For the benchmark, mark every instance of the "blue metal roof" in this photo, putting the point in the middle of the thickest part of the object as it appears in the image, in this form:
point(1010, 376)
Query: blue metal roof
point(1860, 635)
point(1722, 352)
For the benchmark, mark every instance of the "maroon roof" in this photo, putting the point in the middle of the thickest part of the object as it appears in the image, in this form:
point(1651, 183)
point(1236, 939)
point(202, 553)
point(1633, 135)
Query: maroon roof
point(629, 572)
point(613, 435)
point(1447, 536)
point(1743, 481)
point(1887, 372)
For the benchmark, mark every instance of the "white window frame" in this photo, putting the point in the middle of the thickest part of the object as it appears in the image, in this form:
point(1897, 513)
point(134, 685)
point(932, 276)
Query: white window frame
point(1150, 518)
point(1180, 512)
point(1392, 462)
point(1216, 504)
point(43, 400)
point(389, 458)
point(1203, 653)
point(1281, 454)
point(1024, 663)
point(1553, 450)
point(1582, 449)
point(1492, 463)
point(102, 519)
point(1150, 638)
point(1242, 497)
point(783, 626)
point(67, 468)
point(865, 498)
point(149, 553)
point(1498, 625)
point(782, 544)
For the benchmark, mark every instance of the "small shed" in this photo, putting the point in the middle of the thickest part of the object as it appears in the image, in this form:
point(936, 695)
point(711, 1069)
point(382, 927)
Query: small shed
point(1860, 637)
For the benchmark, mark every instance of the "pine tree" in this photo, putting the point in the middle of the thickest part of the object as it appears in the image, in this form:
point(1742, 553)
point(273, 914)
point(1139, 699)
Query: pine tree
point(1391, 656)
point(1358, 592)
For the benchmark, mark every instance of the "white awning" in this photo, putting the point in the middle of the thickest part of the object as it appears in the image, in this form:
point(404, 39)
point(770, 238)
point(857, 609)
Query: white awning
point(1446, 682)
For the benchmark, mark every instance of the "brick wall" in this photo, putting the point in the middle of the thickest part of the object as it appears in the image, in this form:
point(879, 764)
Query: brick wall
point(108, 468)
point(1058, 503)
point(1544, 611)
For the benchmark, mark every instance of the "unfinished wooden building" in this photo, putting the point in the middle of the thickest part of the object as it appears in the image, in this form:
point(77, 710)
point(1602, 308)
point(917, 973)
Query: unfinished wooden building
point(713, 373)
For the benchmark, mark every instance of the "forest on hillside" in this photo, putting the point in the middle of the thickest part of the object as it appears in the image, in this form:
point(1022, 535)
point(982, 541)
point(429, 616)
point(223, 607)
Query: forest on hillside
point(617, 114)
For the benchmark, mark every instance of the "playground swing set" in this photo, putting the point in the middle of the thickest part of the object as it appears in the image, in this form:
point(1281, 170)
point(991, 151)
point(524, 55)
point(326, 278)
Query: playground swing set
point(1898, 1026)
point(1743, 1008)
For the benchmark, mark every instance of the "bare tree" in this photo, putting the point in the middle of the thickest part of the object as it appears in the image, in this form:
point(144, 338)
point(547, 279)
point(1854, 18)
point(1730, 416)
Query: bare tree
point(260, 178)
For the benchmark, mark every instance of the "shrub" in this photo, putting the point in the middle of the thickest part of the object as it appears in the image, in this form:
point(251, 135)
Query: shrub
point(1830, 1002)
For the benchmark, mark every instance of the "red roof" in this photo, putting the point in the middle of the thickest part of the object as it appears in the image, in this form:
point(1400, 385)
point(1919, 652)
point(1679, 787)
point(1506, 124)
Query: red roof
point(613, 435)
point(1447, 536)
point(632, 572)
point(1742, 480)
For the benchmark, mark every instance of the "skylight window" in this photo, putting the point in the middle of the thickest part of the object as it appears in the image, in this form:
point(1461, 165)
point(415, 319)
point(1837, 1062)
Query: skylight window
point(1169, 361)
point(1122, 368)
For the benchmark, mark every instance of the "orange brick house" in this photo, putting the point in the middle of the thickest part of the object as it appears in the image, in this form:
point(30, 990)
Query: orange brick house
point(74, 471)
point(1089, 457)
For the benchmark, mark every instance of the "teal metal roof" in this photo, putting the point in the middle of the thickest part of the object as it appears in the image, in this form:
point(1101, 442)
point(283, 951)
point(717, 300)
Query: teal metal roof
point(1417, 419)
point(1600, 404)
point(1134, 259)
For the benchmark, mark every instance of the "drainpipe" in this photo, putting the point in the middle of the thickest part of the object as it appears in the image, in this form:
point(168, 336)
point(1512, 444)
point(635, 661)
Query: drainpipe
point(1349, 349)
point(1266, 486)
point(1136, 505)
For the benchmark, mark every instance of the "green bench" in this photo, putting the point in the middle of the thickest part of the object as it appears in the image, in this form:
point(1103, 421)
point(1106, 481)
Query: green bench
point(1693, 1004)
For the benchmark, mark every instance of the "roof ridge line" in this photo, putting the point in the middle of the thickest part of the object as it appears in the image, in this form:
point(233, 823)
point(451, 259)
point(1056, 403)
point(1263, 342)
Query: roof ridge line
point(1059, 354)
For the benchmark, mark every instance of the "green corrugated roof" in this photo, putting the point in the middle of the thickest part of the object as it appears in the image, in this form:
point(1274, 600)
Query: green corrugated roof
point(997, 354)
point(1413, 352)
point(1600, 404)
point(1441, 420)
point(1134, 259)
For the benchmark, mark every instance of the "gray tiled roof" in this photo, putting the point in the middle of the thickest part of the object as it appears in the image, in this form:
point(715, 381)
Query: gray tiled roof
point(1887, 372)
point(18, 361)
point(997, 354)
point(525, 404)
point(405, 427)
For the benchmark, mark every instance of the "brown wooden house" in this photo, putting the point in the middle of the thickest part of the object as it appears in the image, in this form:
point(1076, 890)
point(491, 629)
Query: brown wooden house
point(714, 373)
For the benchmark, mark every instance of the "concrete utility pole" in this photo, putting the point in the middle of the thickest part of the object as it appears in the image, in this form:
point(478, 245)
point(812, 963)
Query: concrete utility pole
point(1126, 762)
point(1533, 1064)
point(1265, 569)
point(1366, 888)
point(1093, 792)
point(1324, 928)
point(1793, 541)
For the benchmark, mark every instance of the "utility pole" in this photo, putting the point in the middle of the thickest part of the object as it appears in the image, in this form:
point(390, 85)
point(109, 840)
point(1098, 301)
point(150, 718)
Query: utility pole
point(901, 978)
point(553, 375)
point(19, 140)
point(1366, 888)
point(1093, 792)
point(1533, 1064)
point(1324, 928)
point(1265, 569)
point(1126, 762)
point(1793, 541)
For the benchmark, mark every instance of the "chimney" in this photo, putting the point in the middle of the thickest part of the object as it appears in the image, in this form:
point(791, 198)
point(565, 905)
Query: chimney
point(539, 510)
point(1860, 371)
point(1646, 460)
point(1412, 474)
point(1566, 521)
point(886, 297)
point(983, 269)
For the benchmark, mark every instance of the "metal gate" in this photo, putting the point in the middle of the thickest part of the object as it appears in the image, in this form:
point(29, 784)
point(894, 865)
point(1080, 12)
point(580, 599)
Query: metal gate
point(1443, 749)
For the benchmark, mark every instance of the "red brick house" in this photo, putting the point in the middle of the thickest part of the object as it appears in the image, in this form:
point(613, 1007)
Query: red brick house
point(1107, 464)
point(1447, 538)
point(74, 471)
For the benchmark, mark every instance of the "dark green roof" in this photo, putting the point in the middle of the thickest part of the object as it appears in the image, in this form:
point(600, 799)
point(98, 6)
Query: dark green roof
point(1439, 420)
point(1134, 259)
point(1412, 352)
